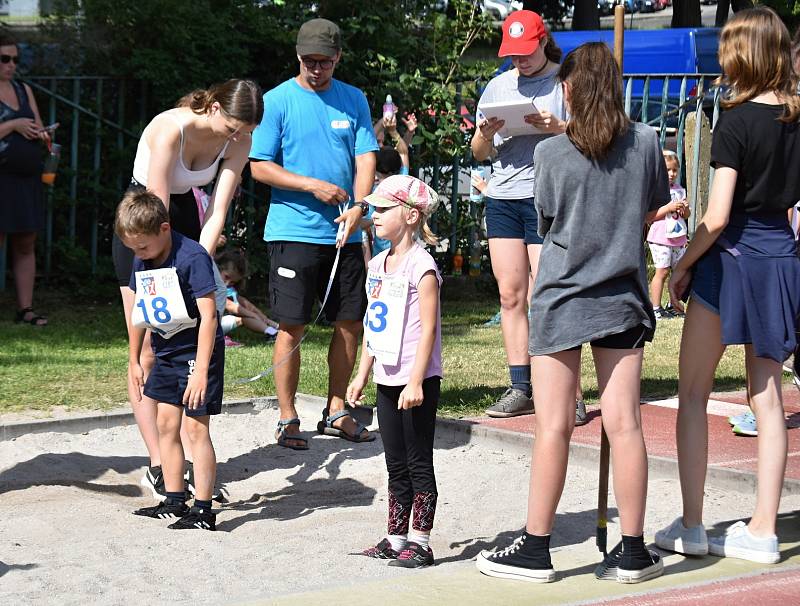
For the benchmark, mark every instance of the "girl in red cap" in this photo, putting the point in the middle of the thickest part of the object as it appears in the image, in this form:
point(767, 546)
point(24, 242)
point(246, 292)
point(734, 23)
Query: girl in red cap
point(511, 223)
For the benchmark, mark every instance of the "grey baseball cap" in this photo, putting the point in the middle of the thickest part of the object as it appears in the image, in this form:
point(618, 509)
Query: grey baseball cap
point(318, 37)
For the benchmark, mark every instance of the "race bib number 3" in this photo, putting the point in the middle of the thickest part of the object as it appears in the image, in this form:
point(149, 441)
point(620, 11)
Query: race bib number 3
point(385, 318)
point(159, 303)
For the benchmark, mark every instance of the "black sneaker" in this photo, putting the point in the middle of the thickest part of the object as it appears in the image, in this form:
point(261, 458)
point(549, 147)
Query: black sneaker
point(188, 477)
point(413, 555)
point(607, 569)
point(511, 563)
point(656, 569)
point(196, 518)
point(674, 312)
point(580, 413)
point(163, 511)
point(662, 314)
point(153, 479)
point(381, 551)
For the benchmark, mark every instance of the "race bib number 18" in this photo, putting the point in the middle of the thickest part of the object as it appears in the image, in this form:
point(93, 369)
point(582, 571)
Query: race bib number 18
point(159, 303)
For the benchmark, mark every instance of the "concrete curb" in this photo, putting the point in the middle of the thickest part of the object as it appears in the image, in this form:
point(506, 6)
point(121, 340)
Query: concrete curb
point(458, 430)
point(722, 478)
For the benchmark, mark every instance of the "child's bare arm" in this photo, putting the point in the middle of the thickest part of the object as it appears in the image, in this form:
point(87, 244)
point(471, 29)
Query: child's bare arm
point(195, 392)
point(355, 391)
point(428, 315)
point(135, 372)
point(670, 207)
point(252, 309)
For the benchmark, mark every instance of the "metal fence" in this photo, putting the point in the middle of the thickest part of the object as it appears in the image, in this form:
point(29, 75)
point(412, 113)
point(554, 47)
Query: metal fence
point(101, 120)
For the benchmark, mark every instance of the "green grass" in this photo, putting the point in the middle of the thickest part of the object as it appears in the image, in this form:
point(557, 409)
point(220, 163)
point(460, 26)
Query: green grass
point(79, 360)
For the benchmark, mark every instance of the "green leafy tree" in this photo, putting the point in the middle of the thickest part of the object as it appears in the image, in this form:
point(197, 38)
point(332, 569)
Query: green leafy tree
point(405, 48)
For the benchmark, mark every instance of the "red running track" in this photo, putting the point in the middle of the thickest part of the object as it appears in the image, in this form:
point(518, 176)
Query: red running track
point(658, 423)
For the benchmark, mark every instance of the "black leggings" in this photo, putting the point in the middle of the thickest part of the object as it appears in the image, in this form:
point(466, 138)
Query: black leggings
point(408, 445)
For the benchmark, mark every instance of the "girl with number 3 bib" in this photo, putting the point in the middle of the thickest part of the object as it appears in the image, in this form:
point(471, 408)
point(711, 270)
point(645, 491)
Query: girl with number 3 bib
point(403, 342)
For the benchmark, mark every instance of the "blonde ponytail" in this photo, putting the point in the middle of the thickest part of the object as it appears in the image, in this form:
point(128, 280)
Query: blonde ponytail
point(426, 233)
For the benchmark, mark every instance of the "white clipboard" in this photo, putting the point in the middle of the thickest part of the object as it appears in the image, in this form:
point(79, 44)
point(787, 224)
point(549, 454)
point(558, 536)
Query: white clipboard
point(513, 112)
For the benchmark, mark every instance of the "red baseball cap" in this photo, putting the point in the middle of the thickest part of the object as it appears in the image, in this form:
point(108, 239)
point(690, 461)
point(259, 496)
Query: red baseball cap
point(522, 31)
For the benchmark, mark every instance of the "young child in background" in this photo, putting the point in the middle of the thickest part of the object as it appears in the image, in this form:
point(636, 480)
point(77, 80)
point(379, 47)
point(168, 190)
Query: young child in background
point(173, 282)
point(402, 341)
point(232, 264)
point(667, 237)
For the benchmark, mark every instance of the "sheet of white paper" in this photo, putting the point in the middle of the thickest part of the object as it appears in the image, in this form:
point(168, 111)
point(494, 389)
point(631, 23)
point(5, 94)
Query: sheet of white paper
point(513, 112)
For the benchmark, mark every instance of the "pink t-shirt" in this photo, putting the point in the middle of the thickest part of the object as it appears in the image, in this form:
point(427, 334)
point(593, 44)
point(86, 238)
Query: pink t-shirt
point(417, 262)
point(658, 230)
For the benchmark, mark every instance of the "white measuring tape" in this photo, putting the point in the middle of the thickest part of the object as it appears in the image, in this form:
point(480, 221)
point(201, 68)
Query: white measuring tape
point(339, 239)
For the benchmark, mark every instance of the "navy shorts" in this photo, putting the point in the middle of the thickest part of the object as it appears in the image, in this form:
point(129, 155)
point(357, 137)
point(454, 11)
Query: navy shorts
point(707, 280)
point(170, 375)
point(515, 219)
point(299, 274)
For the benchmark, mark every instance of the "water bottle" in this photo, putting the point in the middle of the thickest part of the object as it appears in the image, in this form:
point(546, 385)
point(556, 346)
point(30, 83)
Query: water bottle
point(51, 164)
point(475, 253)
point(458, 263)
point(388, 108)
point(475, 195)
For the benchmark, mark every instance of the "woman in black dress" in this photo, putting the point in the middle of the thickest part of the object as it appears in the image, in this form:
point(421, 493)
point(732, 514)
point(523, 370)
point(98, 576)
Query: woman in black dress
point(21, 203)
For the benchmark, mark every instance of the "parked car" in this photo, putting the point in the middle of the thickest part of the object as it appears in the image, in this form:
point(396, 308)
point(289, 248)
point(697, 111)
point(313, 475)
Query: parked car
point(649, 6)
point(500, 9)
point(605, 7)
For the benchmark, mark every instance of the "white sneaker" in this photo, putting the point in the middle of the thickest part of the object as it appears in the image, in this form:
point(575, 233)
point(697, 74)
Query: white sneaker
point(688, 541)
point(737, 542)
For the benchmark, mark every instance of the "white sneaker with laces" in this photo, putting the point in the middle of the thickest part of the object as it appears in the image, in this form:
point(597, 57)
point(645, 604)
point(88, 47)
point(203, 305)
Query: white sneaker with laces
point(688, 541)
point(738, 542)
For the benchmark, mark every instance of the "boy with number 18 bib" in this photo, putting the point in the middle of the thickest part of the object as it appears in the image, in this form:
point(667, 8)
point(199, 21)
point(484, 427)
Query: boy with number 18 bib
point(402, 340)
point(174, 284)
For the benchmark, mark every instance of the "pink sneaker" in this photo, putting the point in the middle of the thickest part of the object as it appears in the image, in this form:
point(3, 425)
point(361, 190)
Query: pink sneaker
point(231, 343)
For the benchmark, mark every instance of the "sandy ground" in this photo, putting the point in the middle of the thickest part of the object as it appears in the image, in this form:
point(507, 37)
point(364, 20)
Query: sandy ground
point(67, 534)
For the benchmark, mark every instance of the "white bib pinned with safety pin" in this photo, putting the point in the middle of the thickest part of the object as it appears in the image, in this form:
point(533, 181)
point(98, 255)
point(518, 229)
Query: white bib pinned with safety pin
point(385, 319)
point(159, 303)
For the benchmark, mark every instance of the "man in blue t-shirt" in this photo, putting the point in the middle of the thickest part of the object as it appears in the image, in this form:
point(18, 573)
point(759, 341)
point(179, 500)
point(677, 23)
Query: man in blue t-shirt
point(316, 148)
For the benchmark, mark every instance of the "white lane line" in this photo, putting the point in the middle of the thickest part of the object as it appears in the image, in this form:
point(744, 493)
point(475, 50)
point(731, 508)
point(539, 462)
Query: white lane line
point(740, 461)
point(715, 407)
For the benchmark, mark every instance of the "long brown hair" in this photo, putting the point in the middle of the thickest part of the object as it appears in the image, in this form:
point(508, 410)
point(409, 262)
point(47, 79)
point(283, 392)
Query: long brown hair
point(597, 116)
point(552, 50)
point(239, 99)
point(755, 52)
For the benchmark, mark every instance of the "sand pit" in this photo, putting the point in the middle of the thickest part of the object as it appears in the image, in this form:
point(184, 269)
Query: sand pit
point(67, 534)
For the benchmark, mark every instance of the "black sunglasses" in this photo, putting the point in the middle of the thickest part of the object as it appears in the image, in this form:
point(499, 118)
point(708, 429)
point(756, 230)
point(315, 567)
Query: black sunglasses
point(7, 58)
point(312, 63)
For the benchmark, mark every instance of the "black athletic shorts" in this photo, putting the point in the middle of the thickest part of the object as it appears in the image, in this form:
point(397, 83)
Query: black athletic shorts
point(298, 276)
point(170, 375)
point(183, 217)
point(633, 338)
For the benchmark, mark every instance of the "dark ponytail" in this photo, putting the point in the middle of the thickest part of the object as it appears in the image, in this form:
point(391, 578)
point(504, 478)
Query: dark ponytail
point(239, 99)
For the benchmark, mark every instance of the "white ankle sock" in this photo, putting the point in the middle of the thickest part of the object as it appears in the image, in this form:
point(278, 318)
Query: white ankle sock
point(398, 541)
point(419, 538)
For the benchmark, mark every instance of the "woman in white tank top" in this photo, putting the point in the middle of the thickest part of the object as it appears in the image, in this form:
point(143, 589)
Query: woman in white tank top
point(206, 136)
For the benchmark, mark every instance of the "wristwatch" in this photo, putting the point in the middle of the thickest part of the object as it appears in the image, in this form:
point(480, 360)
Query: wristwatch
point(364, 208)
